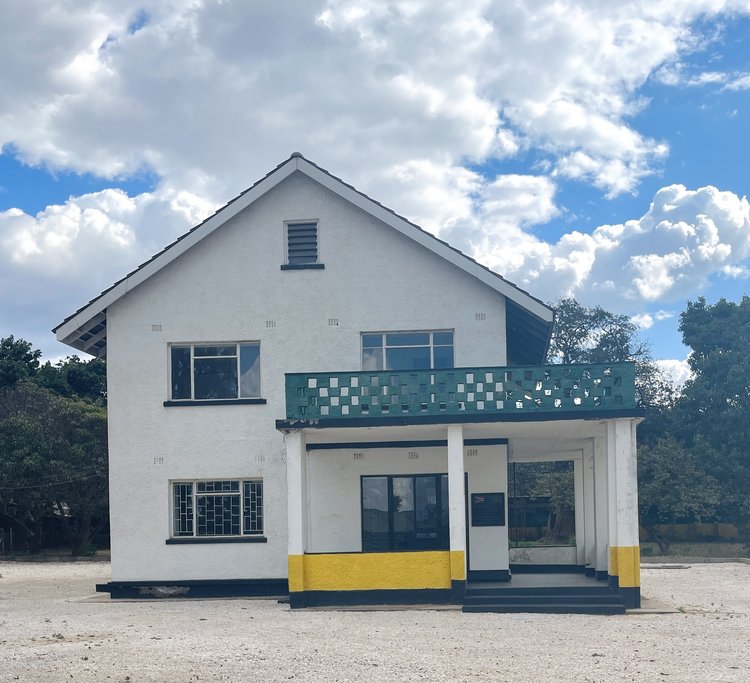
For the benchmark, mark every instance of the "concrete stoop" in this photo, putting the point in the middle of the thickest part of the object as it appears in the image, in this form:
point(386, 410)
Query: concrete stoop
point(550, 600)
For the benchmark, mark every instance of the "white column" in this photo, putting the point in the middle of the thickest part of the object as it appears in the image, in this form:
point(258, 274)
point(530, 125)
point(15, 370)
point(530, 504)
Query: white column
point(601, 523)
point(456, 502)
point(589, 511)
point(578, 510)
point(296, 496)
point(611, 497)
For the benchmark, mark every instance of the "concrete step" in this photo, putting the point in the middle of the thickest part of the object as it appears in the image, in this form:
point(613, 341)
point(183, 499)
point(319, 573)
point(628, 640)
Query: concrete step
point(534, 599)
point(573, 608)
point(541, 590)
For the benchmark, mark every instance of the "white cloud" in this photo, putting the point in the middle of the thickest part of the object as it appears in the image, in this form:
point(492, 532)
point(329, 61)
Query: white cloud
point(685, 238)
point(678, 371)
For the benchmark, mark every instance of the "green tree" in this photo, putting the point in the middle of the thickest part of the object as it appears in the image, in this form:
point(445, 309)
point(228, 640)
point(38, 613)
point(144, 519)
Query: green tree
point(76, 378)
point(53, 461)
point(673, 488)
point(713, 412)
point(18, 360)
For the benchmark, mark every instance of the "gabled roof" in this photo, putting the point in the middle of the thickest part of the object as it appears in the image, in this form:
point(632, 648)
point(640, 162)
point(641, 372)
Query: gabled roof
point(86, 329)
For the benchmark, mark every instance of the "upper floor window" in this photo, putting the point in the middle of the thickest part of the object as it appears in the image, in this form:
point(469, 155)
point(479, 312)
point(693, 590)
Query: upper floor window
point(407, 350)
point(215, 371)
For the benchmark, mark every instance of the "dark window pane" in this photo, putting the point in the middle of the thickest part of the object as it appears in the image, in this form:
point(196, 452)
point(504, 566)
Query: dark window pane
point(403, 513)
point(444, 520)
point(426, 507)
point(417, 358)
point(443, 356)
point(375, 514)
point(180, 372)
point(182, 513)
point(372, 359)
point(249, 370)
point(371, 340)
point(218, 515)
point(442, 338)
point(215, 350)
point(215, 378)
point(252, 511)
point(408, 339)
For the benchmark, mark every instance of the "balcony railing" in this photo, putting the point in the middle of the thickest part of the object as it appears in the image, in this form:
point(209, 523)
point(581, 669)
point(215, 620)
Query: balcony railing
point(499, 391)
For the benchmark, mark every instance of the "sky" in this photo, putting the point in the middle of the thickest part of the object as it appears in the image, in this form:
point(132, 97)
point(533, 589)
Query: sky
point(588, 149)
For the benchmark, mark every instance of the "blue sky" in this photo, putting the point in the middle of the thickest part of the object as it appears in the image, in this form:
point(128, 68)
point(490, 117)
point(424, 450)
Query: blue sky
point(515, 130)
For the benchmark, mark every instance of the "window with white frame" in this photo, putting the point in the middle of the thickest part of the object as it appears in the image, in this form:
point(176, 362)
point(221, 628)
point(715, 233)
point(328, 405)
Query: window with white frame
point(227, 507)
point(420, 350)
point(215, 371)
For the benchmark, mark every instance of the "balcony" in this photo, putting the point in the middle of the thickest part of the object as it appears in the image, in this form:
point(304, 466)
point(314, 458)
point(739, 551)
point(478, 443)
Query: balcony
point(487, 394)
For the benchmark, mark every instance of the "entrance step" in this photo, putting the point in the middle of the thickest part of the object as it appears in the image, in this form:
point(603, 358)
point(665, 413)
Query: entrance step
point(594, 598)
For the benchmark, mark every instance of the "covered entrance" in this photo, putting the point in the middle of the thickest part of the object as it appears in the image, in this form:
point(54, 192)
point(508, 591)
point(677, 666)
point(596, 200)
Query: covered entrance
point(409, 508)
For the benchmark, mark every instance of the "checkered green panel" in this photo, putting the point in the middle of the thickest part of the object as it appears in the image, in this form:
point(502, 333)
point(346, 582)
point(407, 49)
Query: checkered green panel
point(549, 388)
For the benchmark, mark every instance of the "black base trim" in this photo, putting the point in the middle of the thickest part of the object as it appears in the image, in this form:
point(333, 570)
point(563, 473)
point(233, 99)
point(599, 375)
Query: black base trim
point(614, 582)
point(602, 576)
point(590, 571)
point(222, 539)
point(302, 266)
point(196, 588)
point(631, 597)
point(489, 575)
point(458, 592)
point(218, 402)
point(547, 568)
point(427, 596)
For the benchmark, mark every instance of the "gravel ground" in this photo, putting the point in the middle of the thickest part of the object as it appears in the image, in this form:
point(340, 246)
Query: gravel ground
point(53, 628)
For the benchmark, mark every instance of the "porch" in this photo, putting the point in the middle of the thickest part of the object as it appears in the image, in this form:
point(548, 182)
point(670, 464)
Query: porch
point(398, 481)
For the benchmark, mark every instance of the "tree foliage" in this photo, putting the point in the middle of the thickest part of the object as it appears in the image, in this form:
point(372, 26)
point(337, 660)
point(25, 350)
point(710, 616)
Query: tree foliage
point(53, 445)
point(712, 415)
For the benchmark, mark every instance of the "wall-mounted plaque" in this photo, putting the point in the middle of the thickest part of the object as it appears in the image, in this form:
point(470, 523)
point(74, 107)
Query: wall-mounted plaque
point(487, 509)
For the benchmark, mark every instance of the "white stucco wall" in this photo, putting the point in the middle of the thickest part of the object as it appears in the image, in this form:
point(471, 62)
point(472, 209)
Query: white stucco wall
point(225, 290)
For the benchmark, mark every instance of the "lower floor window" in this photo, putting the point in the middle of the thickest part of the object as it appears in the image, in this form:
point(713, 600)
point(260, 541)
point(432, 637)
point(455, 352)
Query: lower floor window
point(405, 512)
point(230, 507)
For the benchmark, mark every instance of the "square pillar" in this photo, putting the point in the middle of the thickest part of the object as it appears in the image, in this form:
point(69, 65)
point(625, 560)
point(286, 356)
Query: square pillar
point(589, 511)
point(625, 557)
point(580, 520)
point(296, 483)
point(601, 508)
point(457, 511)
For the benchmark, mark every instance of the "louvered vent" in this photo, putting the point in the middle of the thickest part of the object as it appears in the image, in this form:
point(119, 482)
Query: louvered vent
point(302, 243)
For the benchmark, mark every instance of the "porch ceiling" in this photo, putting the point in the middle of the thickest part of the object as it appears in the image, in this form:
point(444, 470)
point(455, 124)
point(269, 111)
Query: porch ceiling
point(554, 430)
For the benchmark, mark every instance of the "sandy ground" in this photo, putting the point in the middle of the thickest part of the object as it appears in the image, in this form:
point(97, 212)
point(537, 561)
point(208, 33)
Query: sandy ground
point(53, 628)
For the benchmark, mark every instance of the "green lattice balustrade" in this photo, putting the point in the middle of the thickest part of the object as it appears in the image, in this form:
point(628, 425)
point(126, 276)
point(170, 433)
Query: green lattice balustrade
point(461, 391)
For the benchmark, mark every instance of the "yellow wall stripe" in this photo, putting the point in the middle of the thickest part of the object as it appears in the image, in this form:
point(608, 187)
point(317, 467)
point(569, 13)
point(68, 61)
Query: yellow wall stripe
point(458, 565)
point(373, 571)
point(628, 566)
point(613, 560)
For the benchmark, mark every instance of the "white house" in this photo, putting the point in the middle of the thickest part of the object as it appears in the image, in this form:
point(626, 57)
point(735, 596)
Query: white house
point(308, 390)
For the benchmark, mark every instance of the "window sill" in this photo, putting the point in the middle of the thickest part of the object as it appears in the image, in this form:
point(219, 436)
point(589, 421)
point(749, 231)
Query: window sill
point(216, 539)
point(217, 402)
point(303, 266)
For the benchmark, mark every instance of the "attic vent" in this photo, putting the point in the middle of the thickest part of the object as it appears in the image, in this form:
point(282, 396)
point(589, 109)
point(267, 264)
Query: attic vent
point(359, 456)
point(302, 243)
point(333, 322)
point(156, 328)
point(471, 452)
point(480, 316)
point(270, 323)
point(413, 455)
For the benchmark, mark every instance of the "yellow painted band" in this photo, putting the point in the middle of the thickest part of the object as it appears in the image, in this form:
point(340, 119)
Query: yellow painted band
point(372, 571)
point(296, 565)
point(613, 560)
point(458, 565)
point(628, 566)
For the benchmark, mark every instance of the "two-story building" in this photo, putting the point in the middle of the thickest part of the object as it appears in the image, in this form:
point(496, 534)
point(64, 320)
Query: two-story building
point(308, 391)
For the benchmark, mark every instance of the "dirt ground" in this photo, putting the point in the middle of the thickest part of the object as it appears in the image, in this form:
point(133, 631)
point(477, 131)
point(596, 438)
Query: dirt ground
point(54, 628)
